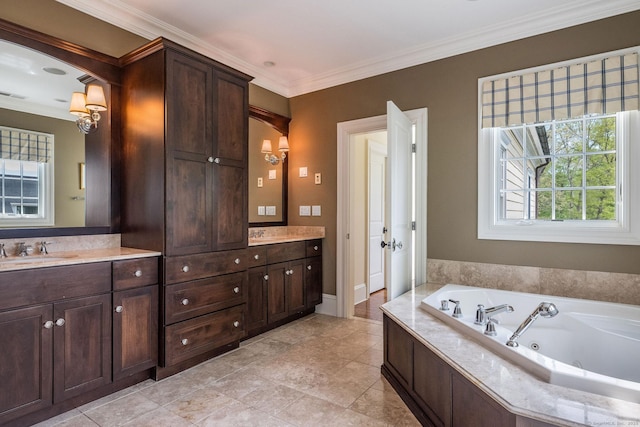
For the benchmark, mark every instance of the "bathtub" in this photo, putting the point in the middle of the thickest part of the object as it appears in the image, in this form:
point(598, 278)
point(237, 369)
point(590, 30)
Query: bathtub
point(590, 346)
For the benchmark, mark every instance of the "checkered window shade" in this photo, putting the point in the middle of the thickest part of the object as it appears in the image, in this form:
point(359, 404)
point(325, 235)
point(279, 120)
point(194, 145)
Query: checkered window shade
point(25, 145)
point(605, 86)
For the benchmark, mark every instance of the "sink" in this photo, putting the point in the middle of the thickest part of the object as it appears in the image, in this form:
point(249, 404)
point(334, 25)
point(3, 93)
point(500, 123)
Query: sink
point(32, 259)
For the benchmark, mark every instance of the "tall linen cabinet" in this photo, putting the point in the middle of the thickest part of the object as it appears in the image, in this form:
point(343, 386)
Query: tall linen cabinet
point(185, 130)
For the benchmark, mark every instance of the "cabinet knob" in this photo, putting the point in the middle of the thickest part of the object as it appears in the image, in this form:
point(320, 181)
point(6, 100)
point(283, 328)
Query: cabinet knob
point(237, 260)
point(60, 322)
point(185, 301)
point(236, 290)
point(309, 267)
point(184, 341)
point(119, 309)
point(185, 268)
point(210, 159)
point(138, 273)
point(236, 324)
point(48, 324)
point(256, 256)
point(266, 277)
point(315, 248)
point(216, 160)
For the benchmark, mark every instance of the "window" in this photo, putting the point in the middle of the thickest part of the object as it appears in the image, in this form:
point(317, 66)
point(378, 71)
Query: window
point(567, 178)
point(26, 178)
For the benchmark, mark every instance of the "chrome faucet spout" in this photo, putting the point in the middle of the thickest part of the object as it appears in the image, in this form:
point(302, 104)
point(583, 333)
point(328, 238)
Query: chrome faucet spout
point(482, 314)
point(545, 309)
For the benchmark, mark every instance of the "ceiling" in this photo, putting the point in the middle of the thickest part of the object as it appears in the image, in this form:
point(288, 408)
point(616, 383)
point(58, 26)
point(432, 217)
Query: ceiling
point(318, 44)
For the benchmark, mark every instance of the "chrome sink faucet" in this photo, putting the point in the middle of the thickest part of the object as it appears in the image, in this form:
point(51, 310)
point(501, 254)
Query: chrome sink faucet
point(484, 317)
point(43, 247)
point(545, 309)
point(23, 249)
point(3, 252)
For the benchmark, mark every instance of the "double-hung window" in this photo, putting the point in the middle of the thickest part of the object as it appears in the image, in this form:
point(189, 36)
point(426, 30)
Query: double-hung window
point(559, 152)
point(26, 178)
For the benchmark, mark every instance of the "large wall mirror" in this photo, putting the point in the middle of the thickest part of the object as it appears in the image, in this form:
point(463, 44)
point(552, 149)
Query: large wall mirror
point(38, 74)
point(267, 179)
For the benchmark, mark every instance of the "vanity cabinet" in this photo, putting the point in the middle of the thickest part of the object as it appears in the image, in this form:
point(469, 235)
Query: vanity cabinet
point(313, 273)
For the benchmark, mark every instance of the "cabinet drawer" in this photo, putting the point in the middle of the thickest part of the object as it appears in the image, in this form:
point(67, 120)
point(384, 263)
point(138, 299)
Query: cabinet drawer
point(205, 333)
point(314, 248)
point(256, 256)
point(199, 266)
point(186, 300)
point(27, 287)
point(133, 273)
point(285, 252)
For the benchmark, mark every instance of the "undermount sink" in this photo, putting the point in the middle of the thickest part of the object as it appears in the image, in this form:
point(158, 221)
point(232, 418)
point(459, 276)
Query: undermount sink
point(32, 259)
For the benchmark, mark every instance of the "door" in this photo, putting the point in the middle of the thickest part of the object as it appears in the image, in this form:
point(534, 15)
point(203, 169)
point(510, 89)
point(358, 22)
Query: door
point(398, 201)
point(377, 166)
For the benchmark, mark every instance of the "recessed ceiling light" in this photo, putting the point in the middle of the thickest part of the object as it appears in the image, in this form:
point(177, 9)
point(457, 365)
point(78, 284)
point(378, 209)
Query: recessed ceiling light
point(269, 63)
point(53, 70)
point(61, 100)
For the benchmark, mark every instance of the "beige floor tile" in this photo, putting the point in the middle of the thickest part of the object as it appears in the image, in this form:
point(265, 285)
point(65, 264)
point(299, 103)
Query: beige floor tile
point(311, 411)
point(240, 415)
point(171, 388)
point(360, 373)
point(122, 410)
point(161, 417)
point(384, 406)
point(197, 406)
point(372, 357)
point(339, 391)
point(349, 418)
point(239, 384)
point(271, 398)
point(59, 418)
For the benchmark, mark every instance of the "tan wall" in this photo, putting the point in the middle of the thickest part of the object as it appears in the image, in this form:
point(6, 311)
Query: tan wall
point(448, 88)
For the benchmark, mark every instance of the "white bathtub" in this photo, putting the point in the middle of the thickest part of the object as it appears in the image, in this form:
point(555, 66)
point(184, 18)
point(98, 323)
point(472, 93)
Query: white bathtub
point(590, 346)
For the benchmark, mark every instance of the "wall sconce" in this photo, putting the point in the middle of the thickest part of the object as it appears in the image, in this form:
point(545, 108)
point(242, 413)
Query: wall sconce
point(87, 107)
point(283, 147)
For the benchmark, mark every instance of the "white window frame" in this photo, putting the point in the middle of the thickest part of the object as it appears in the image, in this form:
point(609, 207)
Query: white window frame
point(624, 231)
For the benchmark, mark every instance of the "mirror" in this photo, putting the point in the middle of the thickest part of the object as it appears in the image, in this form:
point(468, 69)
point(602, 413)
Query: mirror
point(267, 182)
point(78, 160)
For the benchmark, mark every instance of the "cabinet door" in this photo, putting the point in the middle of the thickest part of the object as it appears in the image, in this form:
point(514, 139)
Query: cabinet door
point(81, 345)
point(398, 353)
point(135, 330)
point(432, 385)
point(257, 294)
point(230, 220)
point(469, 406)
point(313, 281)
point(277, 298)
point(25, 361)
point(295, 286)
point(189, 131)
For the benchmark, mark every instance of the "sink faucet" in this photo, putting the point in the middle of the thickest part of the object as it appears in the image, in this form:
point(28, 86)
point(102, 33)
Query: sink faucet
point(23, 249)
point(545, 309)
point(484, 317)
point(3, 252)
point(43, 247)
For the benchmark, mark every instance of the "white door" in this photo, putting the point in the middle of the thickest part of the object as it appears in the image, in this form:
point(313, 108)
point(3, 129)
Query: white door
point(398, 202)
point(377, 154)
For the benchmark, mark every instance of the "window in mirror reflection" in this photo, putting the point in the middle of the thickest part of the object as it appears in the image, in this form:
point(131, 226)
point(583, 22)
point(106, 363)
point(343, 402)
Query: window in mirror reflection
point(26, 177)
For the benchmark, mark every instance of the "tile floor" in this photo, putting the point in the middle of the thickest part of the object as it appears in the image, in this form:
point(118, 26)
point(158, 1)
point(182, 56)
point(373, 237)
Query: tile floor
point(316, 371)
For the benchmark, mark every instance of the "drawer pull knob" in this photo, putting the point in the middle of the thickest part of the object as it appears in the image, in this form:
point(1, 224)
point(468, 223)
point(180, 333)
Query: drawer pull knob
point(184, 341)
point(119, 309)
point(315, 248)
point(236, 290)
point(216, 160)
point(48, 324)
point(185, 301)
point(236, 324)
point(256, 256)
point(210, 159)
point(138, 273)
point(266, 277)
point(185, 268)
point(60, 322)
point(237, 260)
point(309, 267)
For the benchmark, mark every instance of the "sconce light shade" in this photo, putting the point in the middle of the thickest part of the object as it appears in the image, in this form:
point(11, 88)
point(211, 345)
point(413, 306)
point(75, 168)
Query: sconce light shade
point(266, 146)
point(77, 107)
point(283, 144)
point(95, 98)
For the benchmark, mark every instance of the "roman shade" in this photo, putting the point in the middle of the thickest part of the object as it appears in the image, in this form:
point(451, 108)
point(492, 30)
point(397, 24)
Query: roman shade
point(25, 145)
point(605, 86)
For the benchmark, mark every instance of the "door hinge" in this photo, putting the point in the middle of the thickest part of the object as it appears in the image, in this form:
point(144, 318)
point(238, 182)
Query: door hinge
point(413, 225)
point(347, 236)
point(413, 148)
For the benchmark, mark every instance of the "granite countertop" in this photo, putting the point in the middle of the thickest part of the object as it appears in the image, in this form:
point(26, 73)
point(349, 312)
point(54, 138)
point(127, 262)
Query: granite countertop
point(510, 385)
point(83, 256)
point(271, 235)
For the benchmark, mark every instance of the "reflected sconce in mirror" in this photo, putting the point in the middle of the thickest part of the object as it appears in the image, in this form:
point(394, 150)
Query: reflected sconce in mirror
point(87, 107)
point(283, 147)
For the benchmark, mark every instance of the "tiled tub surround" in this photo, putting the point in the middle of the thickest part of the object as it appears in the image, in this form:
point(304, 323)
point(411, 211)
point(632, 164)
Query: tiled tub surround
point(591, 285)
point(269, 235)
point(509, 385)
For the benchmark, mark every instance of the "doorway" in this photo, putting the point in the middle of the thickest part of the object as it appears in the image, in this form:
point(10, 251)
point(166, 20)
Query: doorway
point(346, 269)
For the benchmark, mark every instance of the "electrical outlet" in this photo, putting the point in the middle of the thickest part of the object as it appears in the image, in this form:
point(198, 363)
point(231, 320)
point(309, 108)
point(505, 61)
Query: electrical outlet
point(260, 182)
point(318, 178)
point(272, 174)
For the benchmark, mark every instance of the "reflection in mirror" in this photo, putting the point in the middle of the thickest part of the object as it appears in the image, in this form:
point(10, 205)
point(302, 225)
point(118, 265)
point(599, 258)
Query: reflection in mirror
point(35, 90)
point(267, 182)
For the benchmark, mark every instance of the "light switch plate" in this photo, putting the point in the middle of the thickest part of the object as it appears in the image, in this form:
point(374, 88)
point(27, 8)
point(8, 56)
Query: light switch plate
point(271, 210)
point(272, 174)
point(316, 210)
point(260, 182)
point(303, 172)
point(305, 210)
point(261, 210)
point(318, 178)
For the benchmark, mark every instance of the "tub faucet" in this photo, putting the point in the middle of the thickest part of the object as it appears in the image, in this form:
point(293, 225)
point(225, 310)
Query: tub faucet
point(482, 314)
point(545, 309)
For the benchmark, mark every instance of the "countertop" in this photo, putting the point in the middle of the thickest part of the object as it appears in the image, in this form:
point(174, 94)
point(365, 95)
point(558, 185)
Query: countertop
point(84, 256)
point(510, 385)
point(273, 235)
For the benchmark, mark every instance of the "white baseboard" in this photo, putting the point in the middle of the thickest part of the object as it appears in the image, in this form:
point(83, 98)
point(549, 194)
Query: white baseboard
point(359, 293)
point(329, 305)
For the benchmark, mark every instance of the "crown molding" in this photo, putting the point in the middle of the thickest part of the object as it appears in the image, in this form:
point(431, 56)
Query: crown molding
point(565, 15)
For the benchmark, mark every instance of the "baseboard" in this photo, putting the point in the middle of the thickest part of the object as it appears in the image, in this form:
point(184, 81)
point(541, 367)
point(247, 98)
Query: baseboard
point(360, 293)
point(329, 305)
